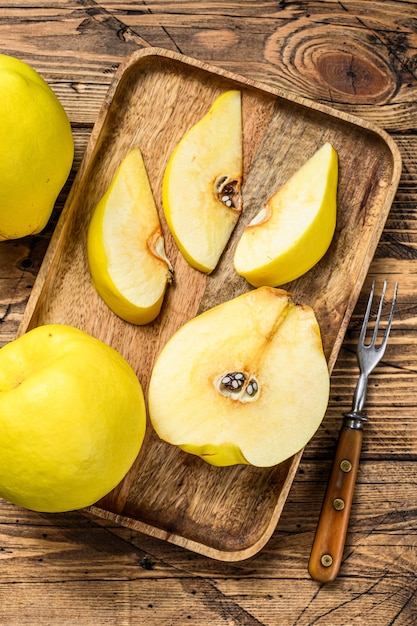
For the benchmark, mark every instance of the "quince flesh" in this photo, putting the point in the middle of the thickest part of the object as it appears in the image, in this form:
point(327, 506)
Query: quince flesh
point(201, 185)
point(295, 227)
point(37, 149)
point(72, 419)
point(244, 382)
point(125, 245)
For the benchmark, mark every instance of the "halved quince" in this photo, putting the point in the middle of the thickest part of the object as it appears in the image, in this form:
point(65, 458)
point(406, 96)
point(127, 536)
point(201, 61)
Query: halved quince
point(294, 229)
point(243, 383)
point(201, 186)
point(125, 245)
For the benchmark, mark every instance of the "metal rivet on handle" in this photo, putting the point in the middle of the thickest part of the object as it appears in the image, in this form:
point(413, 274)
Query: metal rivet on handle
point(345, 465)
point(326, 560)
point(338, 504)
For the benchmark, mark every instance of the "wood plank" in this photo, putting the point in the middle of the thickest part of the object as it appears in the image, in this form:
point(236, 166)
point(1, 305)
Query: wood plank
point(355, 59)
point(67, 569)
point(84, 543)
point(386, 601)
point(180, 89)
point(77, 557)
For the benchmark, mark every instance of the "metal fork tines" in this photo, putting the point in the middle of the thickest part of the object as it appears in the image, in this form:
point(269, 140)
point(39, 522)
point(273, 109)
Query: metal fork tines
point(369, 354)
point(326, 554)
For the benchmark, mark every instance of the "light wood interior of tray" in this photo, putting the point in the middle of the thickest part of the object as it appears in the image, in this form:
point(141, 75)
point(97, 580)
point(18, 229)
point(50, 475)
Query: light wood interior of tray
point(222, 512)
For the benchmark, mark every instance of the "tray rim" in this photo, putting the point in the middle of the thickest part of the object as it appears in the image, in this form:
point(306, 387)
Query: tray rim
point(42, 277)
point(196, 546)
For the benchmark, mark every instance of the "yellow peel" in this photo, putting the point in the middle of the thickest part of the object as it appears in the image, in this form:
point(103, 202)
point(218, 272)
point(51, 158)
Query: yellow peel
point(72, 419)
point(200, 222)
point(37, 149)
point(125, 246)
point(292, 232)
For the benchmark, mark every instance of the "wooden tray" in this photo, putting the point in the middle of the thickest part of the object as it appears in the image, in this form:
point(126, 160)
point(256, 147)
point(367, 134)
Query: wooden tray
point(225, 513)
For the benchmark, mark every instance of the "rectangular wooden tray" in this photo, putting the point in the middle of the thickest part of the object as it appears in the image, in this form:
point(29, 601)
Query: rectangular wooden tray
point(225, 513)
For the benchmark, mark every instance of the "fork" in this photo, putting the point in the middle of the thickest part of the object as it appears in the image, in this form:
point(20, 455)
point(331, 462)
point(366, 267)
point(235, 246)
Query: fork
point(328, 546)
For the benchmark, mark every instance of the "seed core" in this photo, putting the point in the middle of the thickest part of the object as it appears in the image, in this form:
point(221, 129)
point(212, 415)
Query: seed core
point(227, 192)
point(238, 386)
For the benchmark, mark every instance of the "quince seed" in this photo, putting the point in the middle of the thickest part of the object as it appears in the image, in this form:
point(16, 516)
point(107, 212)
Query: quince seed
point(252, 388)
point(233, 380)
point(219, 183)
point(238, 386)
point(228, 192)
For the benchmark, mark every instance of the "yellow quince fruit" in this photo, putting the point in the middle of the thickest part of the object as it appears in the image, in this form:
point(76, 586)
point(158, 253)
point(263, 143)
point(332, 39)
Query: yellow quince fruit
point(72, 419)
point(245, 382)
point(201, 186)
point(125, 245)
point(37, 149)
point(294, 229)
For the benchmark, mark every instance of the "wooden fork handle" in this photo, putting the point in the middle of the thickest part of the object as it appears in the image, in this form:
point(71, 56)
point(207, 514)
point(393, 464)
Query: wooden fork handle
point(329, 542)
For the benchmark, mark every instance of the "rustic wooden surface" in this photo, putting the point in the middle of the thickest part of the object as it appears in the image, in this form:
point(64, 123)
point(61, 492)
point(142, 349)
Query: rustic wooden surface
point(155, 96)
point(358, 56)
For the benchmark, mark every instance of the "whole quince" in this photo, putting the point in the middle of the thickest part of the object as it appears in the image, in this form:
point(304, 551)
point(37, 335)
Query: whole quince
point(72, 419)
point(37, 149)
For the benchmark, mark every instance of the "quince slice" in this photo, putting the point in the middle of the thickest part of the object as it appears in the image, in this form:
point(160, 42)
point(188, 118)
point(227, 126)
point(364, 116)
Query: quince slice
point(245, 382)
point(201, 187)
point(125, 245)
point(294, 229)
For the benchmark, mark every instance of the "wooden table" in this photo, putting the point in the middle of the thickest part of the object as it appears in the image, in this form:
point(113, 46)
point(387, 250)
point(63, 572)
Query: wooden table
point(359, 57)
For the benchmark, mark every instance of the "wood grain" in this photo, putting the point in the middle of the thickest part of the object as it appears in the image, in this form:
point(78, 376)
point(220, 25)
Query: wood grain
point(91, 570)
point(359, 57)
